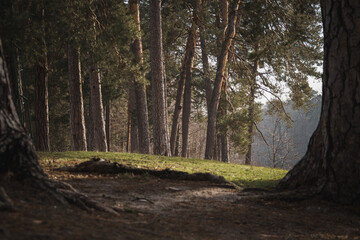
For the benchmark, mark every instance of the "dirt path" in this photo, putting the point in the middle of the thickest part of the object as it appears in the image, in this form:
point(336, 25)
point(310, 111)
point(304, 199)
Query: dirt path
point(155, 208)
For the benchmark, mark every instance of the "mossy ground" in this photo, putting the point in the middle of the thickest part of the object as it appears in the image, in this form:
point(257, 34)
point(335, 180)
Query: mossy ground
point(242, 175)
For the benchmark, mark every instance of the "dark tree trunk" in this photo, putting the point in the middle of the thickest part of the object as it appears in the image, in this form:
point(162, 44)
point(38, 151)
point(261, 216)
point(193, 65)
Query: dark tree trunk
point(331, 166)
point(18, 156)
point(177, 109)
point(77, 120)
point(107, 124)
point(221, 65)
point(90, 138)
point(161, 135)
point(205, 62)
point(140, 89)
point(251, 114)
point(187, 91)
point(97, 110)
point(134, 146)
point(42, 140)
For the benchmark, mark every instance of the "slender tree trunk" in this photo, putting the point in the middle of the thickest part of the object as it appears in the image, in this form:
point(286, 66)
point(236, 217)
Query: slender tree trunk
point(134, 146)
point(18, 156)
point(97, 110)
point(221, 65)
point(206, 68)
point(89, 122)
point(161, 136)
point(140, 89)
point(175, 120)
point(77, 120)
point(42, 140)
point(248, 156)
point(331, 166)
point(187, 91)
point(107, 124)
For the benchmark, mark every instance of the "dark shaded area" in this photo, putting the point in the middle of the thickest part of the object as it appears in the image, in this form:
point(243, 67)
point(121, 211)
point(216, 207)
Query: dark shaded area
point(102, 166)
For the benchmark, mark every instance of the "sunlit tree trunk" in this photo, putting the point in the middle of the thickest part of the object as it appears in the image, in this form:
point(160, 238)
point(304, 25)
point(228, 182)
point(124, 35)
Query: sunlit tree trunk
point(77, 120)
point(331, 166)
point(161, 136)
point(140, 89)
point(221, 65)
point(97, 110)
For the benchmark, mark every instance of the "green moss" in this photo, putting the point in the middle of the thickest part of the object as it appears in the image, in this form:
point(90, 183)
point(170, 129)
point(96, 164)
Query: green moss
point(242, 175)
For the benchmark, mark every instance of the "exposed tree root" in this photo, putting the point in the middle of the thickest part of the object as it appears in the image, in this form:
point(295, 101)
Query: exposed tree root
point(102, 166)
point(6, 203)
point(65, 194)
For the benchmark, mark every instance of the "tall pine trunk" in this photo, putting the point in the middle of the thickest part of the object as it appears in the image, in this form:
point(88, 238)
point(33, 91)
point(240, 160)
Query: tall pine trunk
point(221, 65)
point(251, 114)
point(140, 88)
point(161, 136)
point(133, 124)
point(97, 110)
point(42, 140)
point(77, 120)
point(190, 52)
point(331, 165)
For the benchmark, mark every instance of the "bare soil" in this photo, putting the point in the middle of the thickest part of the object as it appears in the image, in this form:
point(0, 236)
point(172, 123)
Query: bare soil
point(153, 208)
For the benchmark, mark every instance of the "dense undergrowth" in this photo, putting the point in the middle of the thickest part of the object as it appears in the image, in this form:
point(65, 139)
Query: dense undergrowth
point(242, 175)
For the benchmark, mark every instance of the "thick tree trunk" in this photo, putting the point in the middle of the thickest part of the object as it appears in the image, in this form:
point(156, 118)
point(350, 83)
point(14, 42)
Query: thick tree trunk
point(140, 89)
point(161, 136)
point(331, 165)
point(77, 120)
point(221, 65)
point(97, 110)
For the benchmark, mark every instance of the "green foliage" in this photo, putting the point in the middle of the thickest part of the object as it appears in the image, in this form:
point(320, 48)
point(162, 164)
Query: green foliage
point(244, 176)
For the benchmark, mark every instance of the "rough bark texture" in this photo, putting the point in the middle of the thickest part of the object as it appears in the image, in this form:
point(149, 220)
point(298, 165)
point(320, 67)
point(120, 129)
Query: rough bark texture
point(90, 139)
point(161, 136)
point(97, 110)
point(331, 166)
point(18, 156)
point(221, 65)
point(77, 119)
point(42, 140)
point(140, 89)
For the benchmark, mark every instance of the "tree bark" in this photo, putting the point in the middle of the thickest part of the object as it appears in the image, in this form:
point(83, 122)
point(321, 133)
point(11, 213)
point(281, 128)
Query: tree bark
point(251, 114)
point(140, 88)
point(97, 110)
point(77, 120)
point(331, 166)
point(42, 140)
point(107, 124)
point(134, 146)
point(161, 136)
point(221, 65)
point(190, 52)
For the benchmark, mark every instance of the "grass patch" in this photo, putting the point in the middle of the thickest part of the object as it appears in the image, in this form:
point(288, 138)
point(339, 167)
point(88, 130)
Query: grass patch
point(242, 175)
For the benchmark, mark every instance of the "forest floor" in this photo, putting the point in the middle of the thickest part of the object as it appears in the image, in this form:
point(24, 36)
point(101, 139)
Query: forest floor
point(153, 208)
